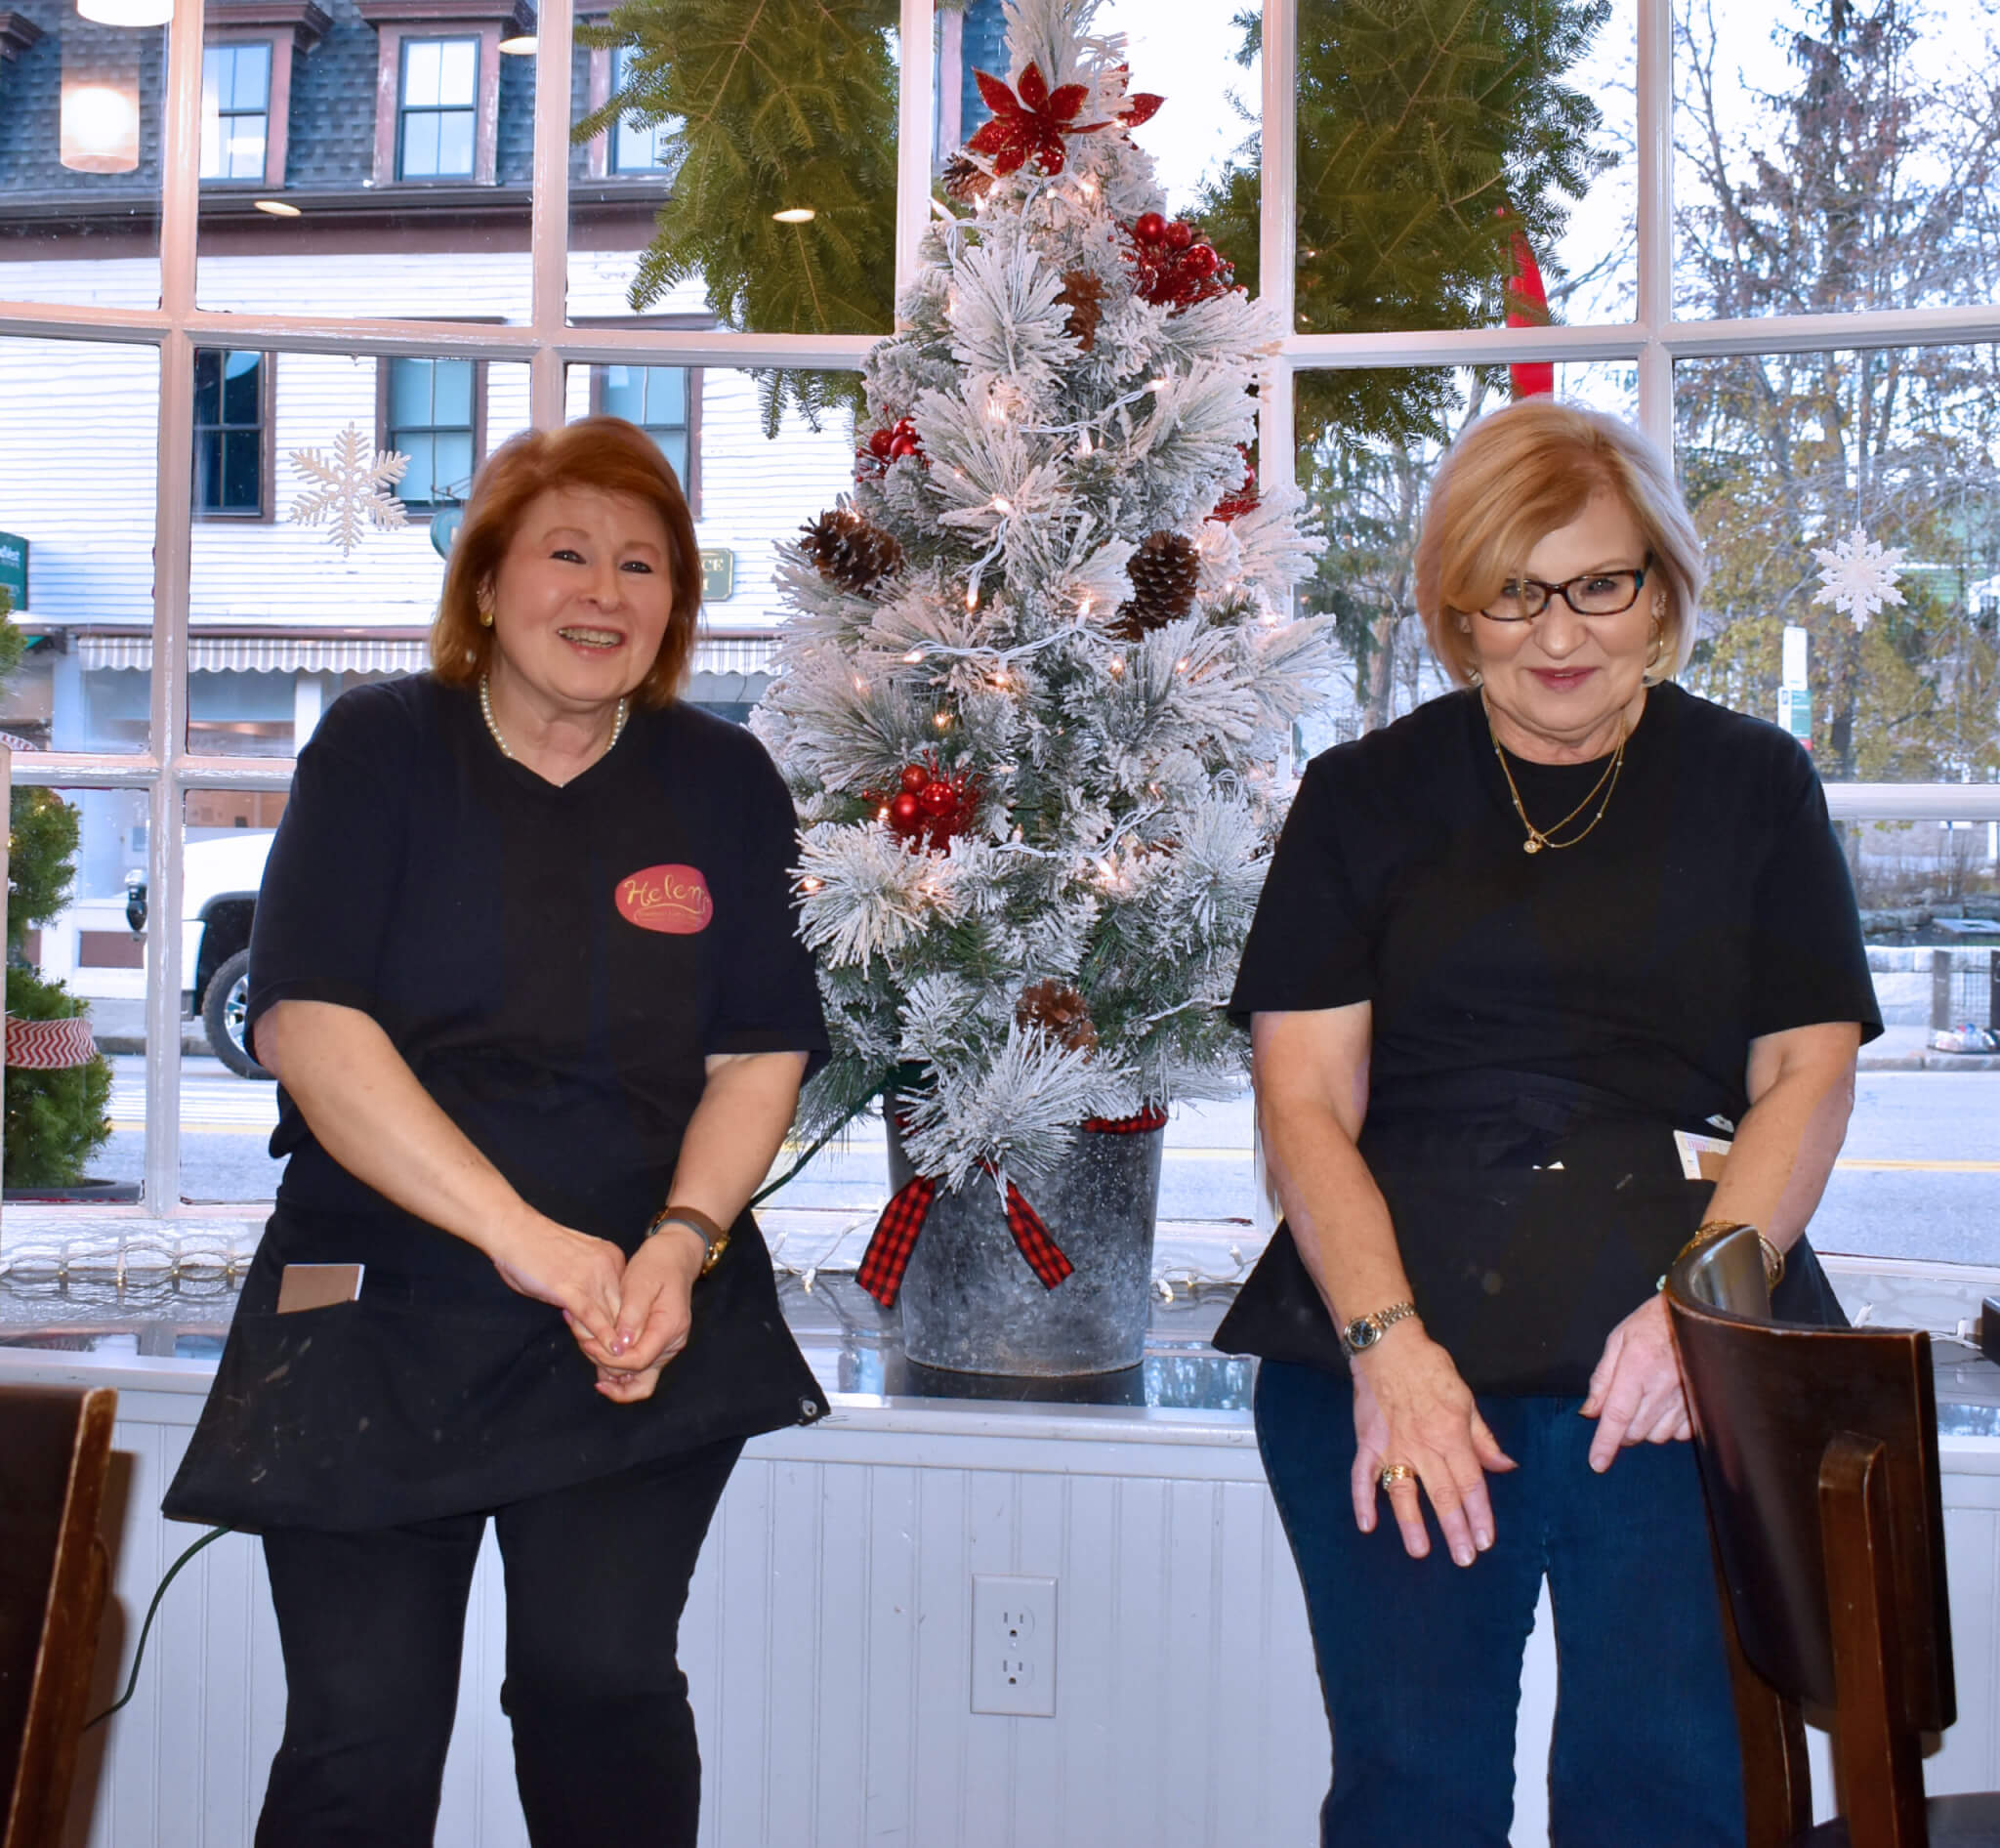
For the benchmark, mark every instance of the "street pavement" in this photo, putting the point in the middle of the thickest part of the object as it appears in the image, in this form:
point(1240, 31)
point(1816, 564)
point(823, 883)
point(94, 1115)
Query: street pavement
point(1919, 1176)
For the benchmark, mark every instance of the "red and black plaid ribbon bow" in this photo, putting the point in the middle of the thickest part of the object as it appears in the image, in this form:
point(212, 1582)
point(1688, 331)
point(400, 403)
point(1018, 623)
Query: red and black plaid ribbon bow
point(887, 1256)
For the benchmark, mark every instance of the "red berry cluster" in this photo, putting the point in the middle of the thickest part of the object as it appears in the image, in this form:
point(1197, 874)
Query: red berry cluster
point(1172, 267)
point(930, 808)
point(889, 444)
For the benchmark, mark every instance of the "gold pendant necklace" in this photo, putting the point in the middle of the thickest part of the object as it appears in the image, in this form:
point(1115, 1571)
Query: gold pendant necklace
point(1539, 838)
point(506, 750)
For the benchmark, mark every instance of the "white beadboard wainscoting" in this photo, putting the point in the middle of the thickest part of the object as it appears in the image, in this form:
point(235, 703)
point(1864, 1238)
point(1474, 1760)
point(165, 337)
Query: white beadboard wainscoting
point(828, 1634)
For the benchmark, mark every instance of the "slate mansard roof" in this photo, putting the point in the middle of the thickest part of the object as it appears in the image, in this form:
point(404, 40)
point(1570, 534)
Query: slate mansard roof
point(331, 134)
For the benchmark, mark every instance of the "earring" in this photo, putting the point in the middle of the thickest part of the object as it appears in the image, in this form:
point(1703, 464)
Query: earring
point(486, 615)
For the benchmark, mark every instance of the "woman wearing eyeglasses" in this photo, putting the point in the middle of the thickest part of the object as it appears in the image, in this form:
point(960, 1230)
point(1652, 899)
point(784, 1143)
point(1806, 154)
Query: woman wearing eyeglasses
point(1509, 946)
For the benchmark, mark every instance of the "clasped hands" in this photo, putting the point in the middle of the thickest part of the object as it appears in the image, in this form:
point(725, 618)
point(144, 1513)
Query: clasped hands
point(1412, 1408)
point(630, 1316)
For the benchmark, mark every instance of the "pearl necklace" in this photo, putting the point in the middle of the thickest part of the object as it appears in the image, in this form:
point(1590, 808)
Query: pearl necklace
point(506, 750)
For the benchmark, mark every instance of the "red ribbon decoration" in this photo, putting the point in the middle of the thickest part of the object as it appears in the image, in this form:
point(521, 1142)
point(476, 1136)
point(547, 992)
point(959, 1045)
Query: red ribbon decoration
point(1528, 306)
point(48, 1045)
point(888, 1256)
point(1032, 124)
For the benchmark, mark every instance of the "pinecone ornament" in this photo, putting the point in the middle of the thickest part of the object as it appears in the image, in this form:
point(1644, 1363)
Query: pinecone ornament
point(851, 550)
point(1163, 573)
point(1083, 294)
point(1061, 1012)
point(965, 179)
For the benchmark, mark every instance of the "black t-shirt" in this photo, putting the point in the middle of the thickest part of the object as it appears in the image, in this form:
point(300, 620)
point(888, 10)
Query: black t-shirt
point(1543, 1023)
point(554, 964)
point(1711, 906)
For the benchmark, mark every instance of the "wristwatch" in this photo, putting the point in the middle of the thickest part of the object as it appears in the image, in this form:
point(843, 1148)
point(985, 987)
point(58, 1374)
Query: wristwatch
point(1363, 1332)
point(716, 1237)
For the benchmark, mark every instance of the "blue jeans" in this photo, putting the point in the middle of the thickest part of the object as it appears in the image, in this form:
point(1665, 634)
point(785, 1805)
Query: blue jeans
point(1420, 1659)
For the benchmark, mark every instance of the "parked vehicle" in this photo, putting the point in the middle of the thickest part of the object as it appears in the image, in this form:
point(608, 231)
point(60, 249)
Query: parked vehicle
point(218, 901)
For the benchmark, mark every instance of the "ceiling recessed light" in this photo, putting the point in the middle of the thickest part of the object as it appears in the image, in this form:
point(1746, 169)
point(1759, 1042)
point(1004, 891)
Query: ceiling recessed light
point(277, 208)
point(796, 215)
point(521, 45)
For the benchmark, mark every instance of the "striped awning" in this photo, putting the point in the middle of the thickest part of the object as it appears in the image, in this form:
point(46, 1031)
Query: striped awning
point(304, 652)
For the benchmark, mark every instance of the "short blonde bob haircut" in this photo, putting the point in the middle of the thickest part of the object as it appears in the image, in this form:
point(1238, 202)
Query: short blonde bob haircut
point(1518, 474)
point(605, 453)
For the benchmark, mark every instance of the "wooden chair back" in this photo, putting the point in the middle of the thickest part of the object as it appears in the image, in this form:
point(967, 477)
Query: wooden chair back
point(55, 1454)
point(1819, 1453)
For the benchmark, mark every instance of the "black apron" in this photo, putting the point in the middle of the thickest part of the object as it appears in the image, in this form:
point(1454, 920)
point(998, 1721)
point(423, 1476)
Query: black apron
point(439, 1391)
point(1532, 1216)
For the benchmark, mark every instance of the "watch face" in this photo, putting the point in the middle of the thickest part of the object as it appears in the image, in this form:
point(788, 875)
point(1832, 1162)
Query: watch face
point(1362, 1333)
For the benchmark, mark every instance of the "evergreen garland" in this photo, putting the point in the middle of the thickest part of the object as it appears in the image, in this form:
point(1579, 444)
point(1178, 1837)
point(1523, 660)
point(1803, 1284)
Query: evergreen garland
point(768, 105)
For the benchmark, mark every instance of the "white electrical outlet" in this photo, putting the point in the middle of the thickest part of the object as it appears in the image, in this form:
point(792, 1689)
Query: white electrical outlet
point(1014, 1644)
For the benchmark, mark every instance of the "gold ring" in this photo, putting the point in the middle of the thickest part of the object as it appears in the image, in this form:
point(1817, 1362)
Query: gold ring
point(1393, 1473)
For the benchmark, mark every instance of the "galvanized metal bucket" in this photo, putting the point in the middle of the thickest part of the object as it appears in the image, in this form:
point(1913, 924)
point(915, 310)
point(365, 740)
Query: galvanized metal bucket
point(970, 1303)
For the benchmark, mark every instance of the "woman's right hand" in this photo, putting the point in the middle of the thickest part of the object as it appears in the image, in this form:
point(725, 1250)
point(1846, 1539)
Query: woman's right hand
point(579, 1274)
point(1410, 1406)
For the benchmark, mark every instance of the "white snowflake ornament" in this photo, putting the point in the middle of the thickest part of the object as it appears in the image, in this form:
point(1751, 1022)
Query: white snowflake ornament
point(353, 491)
point(1857, 575)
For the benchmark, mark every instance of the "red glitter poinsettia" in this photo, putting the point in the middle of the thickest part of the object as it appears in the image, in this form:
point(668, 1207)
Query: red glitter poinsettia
point(1240, 500)
point(1033, 125)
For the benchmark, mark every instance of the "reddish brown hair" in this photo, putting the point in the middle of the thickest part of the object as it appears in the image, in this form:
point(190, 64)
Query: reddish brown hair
point(605, 453)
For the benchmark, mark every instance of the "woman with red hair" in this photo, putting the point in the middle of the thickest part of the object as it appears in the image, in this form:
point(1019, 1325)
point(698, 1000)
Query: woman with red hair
point(524, 966)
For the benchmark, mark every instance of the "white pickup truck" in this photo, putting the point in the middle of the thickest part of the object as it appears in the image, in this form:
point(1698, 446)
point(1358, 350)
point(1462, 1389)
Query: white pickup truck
point(218, 900)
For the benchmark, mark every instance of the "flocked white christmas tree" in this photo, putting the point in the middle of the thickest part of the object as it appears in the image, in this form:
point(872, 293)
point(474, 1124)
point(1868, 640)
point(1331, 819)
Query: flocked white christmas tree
point(1040, 674)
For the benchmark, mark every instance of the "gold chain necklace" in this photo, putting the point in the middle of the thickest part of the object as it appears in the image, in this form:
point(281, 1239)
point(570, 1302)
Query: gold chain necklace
point(1539, 838)
point(506, 750)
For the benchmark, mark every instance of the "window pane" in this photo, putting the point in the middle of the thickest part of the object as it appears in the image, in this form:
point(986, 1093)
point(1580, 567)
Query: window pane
point(72, 953)
point(409, 391)
point(79, 161)
point(287, 613)
point(666, 395)
point(422, 61)
point(673, 446)
point(76, 529)
point(452, 465)
point(227, 1107)
point(421, 144)
point(1369, 444)
point(1834, 159)
point(837, 89)
point(458, 72)
point(452, 392)
point(454, 144)
point(1450, 155)
point(1916, 1177)
point(407, 254)
point(624, 392)
point(251, 77)
point(242, 470)
point(242, 379)
point(1889, 461)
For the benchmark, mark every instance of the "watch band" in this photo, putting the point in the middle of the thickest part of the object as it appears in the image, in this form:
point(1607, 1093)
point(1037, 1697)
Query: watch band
point(716, 1237)
point(1363, 1332)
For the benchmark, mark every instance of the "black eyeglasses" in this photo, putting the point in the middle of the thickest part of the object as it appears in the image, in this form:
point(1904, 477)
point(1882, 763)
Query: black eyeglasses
point(1592, 594)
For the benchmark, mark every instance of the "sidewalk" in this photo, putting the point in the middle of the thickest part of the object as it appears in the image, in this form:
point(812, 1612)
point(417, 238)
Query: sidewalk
point(1908, 1049)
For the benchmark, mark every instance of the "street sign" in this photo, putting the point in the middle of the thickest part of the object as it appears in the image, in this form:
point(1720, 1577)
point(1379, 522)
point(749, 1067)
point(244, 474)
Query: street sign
point(1795, 713)
point(14, 570)
point(717, 573)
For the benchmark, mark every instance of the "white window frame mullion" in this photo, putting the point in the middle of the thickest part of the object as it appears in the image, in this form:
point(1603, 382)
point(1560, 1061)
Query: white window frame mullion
point(173, 539)
point(1654, 77)
point(549, 215)
point(1277, 242)
point(916, 31)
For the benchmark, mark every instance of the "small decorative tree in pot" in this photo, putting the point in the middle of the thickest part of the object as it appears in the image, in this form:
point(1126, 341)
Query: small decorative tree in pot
point(1032, 701)
point(55, 1106)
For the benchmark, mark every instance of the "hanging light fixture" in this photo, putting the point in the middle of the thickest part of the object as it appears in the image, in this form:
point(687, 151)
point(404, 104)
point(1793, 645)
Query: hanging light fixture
point(100, 126)
point(796, 215)
point(127, 12)
point(521, 45)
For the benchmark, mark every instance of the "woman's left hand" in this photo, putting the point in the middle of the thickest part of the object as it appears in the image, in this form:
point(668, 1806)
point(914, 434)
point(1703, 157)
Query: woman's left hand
point(1635, 1391)
point(655, 1311)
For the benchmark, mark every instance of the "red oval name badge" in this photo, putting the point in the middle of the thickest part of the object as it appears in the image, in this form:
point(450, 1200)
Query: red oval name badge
point(670, 898)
